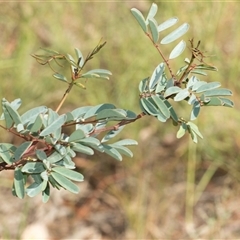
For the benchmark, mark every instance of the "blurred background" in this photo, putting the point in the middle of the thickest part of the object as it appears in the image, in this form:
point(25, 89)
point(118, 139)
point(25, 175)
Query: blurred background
point(171, 188)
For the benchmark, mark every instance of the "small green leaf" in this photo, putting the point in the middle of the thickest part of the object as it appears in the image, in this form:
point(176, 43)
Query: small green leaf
point(111, 134)
point(161, 105)
point(13, 113)
point(171, 91)
point(177, 50)
point(195, 110)
point(79, 112)
point(81, 148)
point(37, 125)
point(122, 150)
point(208, 86)
point(218, 92)
point(140, 19)
point(54, 157)
point(73, 175)
point(148, 107)
point(60, 77)
point(5, 149)
point(152, 12)
point(55, 125)
point(65, 183)
point(214, 101)
point(19, 182)
point(156, 76)
point(226, 102)
point(112, 152)
point(182, 130)
point(32, 114)
point(33, 167)
point(143, 85)
point(194, 128)
point(34, 189)
point(184, 93)
point(111, 113)
point(76, 136)
point(127, 142)
point(167, 24)
point(175, 34)
point(153, 29)
point(94, 110)
point(79, 57)
point(46, 194)
point(172, 112)
point(22, 149)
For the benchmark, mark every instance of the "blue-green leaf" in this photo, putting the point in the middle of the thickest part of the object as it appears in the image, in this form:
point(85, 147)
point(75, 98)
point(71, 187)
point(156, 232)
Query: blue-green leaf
point(194, 128)
point(126, 142)
point(112, 152)
point(76, 136)
point(195, 110)
point(181, 95)
point(167, 24)
point(5, 149)
point(122, 150)
point(65, 183)
point(32, 114)
point(226, 102)
point(148, 107)
point(13, 113)
point(79, 56)
point(208, 86)
point(156, 76)
point(60, 77)
point(81, 148)
point(175, 34)
point(143, 85)
point(172, 90)
point(140, 19)
point(152, 12)
point(154, 30)
point(19, 182)
point(177, 50)
point(55, 125)
point(46, 194)
point(218, 92)
point(111, 114)
point(94, 110)
point(21, 150)
point(33, 167)
point(182, 130)
point(159, 101)
point(37, 125)
point(79, 112)
point(73, 175)
point(111, 134)
point(34, 189)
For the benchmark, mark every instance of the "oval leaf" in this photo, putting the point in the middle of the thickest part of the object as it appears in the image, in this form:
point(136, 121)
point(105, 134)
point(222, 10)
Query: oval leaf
point(177, 50)
point(172, 90)
point(175, 34)
point(65, 183)
point(161, 105)
point(140, 19)
point(208, 86)
point(156, 76)
point(19, 183)
point(55, 125)
point(154, 30)
point(167, 24)
point(60, 77)
point(184, 93)
point(152, 12)
point(73, 175)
